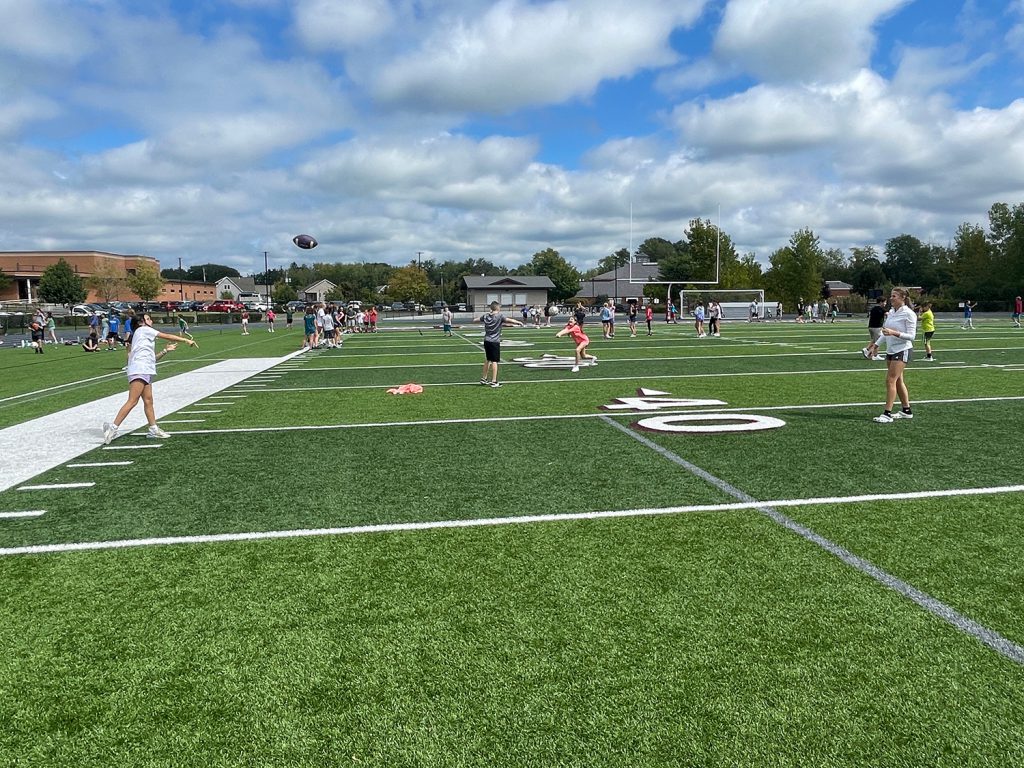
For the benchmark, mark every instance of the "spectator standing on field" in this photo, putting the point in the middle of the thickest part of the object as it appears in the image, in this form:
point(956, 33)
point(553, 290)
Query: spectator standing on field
point(493, 322)
point(899, 332)
point(778, 311)
point(245, 322)
point(446, 320)
point(876, 319)
point(927, 321)
point(649, 318)
point(1018, 309)
point(968, 315)
point(580, 313)
point(631, 312)
point(714, 315)
point(698, 320)
point(270, 320)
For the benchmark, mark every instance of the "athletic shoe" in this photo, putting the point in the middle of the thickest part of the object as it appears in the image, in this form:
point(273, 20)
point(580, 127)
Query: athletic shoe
point(902, 415)
point(155, 431)
point(883, 419)
point(716, 334)
point(485, 382)
point(109, 432)
point(867, 355)
point(878, 357)
point(575, 369)
point(929, 358)
point(495, 385)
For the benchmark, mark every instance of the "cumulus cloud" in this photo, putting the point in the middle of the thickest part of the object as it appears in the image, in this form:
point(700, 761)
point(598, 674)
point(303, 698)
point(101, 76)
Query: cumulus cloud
point(804, 40)
point(520, 54)
point(328, 24)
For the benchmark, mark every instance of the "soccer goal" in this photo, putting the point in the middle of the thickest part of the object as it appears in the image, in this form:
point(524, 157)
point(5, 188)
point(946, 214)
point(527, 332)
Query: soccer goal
point(736, 303)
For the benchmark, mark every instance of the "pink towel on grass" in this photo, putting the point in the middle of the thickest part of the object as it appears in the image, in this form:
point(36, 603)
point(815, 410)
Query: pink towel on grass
point(406, 389)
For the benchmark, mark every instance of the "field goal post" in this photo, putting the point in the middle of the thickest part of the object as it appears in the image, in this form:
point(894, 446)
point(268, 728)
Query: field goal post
point(735, 302)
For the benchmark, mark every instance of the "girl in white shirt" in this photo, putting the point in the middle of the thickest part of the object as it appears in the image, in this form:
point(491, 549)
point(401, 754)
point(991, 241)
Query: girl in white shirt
point(899, 332)
point(141, 372)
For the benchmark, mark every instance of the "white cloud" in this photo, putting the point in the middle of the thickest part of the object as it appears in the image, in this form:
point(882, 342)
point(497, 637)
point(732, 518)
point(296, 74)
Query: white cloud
point(327, 24)
point(519, 54)
point(802, 40)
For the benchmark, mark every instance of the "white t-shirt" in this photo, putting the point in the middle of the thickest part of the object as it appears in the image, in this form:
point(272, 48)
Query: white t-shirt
point(142, 358)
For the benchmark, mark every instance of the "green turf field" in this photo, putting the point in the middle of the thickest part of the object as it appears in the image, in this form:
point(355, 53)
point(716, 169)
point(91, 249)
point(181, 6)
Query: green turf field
point(314, 572)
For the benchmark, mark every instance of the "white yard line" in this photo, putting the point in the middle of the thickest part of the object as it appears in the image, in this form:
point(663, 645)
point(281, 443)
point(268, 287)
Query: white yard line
point(573, 416)
point(102, 464)
point(37, 549)
point(54, 486)
point(27, 513)
point(50, 441)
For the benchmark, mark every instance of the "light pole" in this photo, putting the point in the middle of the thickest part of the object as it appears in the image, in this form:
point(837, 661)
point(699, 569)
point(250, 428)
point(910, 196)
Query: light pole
point(181, 281)
point(266, 277)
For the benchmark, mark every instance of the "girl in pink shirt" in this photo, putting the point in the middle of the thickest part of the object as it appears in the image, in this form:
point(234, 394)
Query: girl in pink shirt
point(573, 329)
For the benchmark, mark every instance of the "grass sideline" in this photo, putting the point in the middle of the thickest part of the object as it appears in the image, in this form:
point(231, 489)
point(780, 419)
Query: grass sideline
point(699, 638)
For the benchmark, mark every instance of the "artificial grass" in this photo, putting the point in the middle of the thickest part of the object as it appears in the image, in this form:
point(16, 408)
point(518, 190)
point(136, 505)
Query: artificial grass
point(698, 640)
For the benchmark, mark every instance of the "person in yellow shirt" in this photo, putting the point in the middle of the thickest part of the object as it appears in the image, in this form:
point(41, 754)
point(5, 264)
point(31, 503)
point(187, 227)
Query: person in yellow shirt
point(927, 320)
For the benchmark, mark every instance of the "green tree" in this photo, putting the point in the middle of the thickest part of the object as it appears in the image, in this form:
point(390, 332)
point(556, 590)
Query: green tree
point(108, 282)
point(145, 282)
point(656, 249)
point(409, 282)
point(210, 273)
point(834, 265)
point(908, 261)
point(973, 262)
point(60, 285)
point(1006, 235)
point(795, 272)
point(564, 275)
point(5, 280)
point(283, 293)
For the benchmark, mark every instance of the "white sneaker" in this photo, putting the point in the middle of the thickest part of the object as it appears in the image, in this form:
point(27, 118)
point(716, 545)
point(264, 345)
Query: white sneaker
point(902, 415)
point(883, 419)
point(865, 353)
point(109, 432)
point(878, 357)
point(157, 432)
point(575, 369)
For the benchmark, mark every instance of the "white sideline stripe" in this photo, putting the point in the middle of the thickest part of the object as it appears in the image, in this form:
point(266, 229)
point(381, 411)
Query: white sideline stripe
point(28, 513)
point(54, 486)
point(102, 464)
point(59, 386)
point(133, 447)
point(37, 549)
point(572, 416)
point(182, 421)
point(233, 397)
point(195, 413)
point(57, 438)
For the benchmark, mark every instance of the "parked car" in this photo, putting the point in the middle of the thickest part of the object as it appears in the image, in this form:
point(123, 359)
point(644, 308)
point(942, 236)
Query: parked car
point(225, 306)
point(81, 310)
point(397, 307)
point(438, 306)
point(295, 306)
point(460, 307)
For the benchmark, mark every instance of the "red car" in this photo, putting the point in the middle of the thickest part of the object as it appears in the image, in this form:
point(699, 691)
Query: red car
point(225, 306)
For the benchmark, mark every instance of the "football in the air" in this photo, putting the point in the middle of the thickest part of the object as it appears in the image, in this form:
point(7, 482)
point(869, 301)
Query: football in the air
point(305, 242)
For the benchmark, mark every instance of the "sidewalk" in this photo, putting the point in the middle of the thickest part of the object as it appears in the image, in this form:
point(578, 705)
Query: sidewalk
point(41, 444)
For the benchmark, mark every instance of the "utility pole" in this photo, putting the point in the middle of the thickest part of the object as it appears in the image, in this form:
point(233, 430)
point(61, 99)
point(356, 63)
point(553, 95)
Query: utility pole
point(181, 281)
point(418, 254)
point(266, 277)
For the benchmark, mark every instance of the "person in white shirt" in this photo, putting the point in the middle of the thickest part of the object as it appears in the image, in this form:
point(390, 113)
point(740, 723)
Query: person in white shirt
point(899, 332)
point(141, 371)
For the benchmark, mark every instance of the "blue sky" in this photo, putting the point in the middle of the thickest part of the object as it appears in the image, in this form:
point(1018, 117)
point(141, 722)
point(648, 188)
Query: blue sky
point(212, 131)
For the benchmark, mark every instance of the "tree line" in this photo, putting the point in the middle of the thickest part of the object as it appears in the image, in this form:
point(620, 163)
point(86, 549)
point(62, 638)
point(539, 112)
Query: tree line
point(985, 266)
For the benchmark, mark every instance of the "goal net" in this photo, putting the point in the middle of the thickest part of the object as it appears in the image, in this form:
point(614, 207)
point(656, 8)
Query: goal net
point(736, 303)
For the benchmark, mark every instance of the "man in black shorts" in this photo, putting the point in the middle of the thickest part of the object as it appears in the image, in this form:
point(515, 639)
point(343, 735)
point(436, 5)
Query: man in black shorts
point(493, 322)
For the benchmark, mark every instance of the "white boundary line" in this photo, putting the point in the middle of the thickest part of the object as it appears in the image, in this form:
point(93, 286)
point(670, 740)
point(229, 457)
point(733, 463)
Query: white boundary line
point(573, 416)
point(29, 513)
point(38, 549)
point(133, 447)
point(101, 464)
point(54, 486)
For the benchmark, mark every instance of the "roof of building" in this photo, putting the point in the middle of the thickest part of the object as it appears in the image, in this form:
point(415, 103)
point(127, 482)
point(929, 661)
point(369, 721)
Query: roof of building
point(478, 282)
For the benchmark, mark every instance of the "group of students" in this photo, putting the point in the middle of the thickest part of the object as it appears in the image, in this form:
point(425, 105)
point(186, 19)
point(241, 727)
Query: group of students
point(324, 324)
point(107, 330)
point(41, 325)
